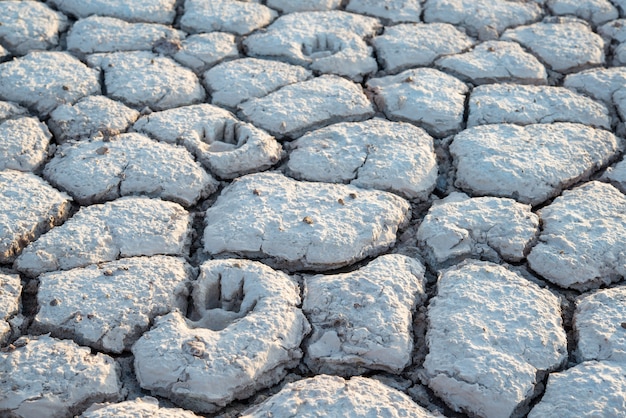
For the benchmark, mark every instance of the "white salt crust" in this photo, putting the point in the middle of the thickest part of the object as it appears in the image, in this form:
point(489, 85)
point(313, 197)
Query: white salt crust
point(225, 145)
point(492, 334)
point(355, 331)
point(110, 305)
point(127, 227)
point(95, 171)
point(375, 154)
point(241, 307)
point(29, 208)
point(302, 225)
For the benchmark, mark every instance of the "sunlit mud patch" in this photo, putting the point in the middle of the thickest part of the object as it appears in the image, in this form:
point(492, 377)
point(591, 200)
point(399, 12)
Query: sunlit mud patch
point(243, 333)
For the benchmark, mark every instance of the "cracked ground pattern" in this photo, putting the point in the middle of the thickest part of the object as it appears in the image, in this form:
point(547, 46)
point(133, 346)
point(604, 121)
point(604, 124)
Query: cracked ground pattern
point(297, 208)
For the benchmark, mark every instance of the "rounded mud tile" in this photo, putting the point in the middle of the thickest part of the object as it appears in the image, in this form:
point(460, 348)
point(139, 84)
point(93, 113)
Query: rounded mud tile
point(362, 321)
point(393, 11)
point(567, 45)
point(375, 154)
point(146, 407)
point(491, 334)
point(595, 12)
point(405, 46)
point(110, 305)
point(43, 376)
point(244, 334)
point(600, 325)
point(290, 6)
point(23, 144)
point(301, 107)
point(10, 303)
point(29, 26)
point(359, 396)
point(583, 241)
point(144, 79)
point(495, 62)
point(487, 228)
point(238, 17)
point(485, 19)
point(43, 80)
point(129, 164)
point(203, 51)
point(331, 42)
point(526, 105)
point(586, 390)
point(530, 163)
point(155, 11)
point(426, 97)
point(108, 34)
point(226, 146)
point(29, 207)
point(234, 82)
point(91, 116)
point(127, 227)
point(302, 225)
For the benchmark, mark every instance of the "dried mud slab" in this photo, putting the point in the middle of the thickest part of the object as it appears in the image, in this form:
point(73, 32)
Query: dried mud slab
point(127, 227)
point(362, 321)
point(225, 145)
point(596, 12)
point(590, 389)
point(108, 34)
point(600, 83)
point(290, 6)
point(357, 397)
point(54, 378)
point(30, 25)
point(302, 225)
point(375, 154)
point(583, 241)
point(10, 110)
point(330, 42)
point(155, 11)
point(600, 325)
point(492, 335)
point(529, 163)
point(141, 79)
point(43, 80)
point(488, 228)
point(109, 306)
point(203, 51)
point(129, 164)
point(410, 96)
point(526, 105)
point(410, 45)
point(23, 144)
point(146, 407)
point(300, 107)
point(10, 303)
point(614, 33)
point(29, 208)
point(90, 117)
point(495, 62)
point(234, 82)
point(392, 11)
point(485, 19)
point(566, 45)
point(245, 334)
point(238, 17)
point(616, 175)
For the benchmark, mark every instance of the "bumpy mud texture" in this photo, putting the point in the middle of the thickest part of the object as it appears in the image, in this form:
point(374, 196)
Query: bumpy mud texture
point(304, 208)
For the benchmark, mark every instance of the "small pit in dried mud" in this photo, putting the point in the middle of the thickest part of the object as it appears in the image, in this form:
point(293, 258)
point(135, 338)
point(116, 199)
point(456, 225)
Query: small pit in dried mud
point(218, 305)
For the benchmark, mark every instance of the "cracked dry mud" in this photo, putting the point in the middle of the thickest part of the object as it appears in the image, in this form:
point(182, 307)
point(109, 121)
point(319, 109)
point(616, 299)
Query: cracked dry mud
point(298, 208)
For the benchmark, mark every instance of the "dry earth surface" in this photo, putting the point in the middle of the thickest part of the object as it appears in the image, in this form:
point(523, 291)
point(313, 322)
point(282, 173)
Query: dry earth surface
point(296, 208)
